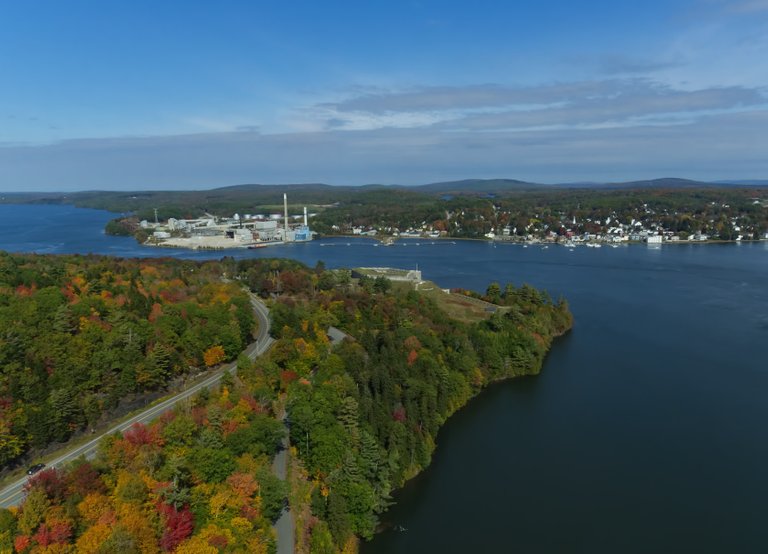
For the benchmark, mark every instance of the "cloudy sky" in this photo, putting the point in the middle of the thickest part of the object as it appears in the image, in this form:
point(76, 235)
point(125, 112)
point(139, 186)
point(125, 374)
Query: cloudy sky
point(138, 94)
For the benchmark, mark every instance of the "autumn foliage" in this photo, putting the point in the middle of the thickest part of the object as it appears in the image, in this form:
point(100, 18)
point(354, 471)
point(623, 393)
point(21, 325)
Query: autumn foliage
point(214, 355)
point(82, 333)
point(178, 526)
point(364, 412)
point(198, 479)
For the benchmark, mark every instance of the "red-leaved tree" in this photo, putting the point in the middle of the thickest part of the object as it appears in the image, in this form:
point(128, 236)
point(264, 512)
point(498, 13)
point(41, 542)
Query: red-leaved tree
point(51, 481)
point(178, 526)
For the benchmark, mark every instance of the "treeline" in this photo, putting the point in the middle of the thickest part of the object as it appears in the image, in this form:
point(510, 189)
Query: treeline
point(710, 210)
point(364, 405)
point(122, 227)
point(463, 209)
point(196, 481)
point(364, 413)
point(80, 333)
point(721, 212)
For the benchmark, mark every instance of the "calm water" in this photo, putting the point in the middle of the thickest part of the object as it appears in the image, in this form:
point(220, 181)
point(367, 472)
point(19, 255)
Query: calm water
point(646, 432)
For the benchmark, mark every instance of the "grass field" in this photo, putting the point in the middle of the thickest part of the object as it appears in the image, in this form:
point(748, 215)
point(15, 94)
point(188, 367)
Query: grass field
point(457, 306)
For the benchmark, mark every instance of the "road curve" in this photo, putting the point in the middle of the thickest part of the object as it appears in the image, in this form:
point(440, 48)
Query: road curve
point(13, 494)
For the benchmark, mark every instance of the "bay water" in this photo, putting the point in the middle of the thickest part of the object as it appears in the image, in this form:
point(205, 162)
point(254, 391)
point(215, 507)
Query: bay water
point(647, 430)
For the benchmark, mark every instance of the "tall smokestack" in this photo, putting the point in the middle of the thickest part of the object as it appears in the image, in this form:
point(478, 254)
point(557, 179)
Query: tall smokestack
point(285, 204)
point(305, 217)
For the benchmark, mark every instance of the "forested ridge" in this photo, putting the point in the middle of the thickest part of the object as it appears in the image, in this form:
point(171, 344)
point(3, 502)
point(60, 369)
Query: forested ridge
point(80, 333)
point(362, 414)
point(465, 209)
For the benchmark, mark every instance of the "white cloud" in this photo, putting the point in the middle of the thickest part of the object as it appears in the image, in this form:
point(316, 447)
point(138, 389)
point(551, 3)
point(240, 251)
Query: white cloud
point(616, 129)
point(738, 6)
point(731, 145)
point(749, 6)
point(493, 107)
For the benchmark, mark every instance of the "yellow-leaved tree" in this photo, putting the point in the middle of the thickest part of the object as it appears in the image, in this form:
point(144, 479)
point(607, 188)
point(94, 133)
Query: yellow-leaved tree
point(91, 540)
point(214, 355)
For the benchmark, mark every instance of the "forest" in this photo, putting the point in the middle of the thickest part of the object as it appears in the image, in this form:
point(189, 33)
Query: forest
point(78, 334)
point(720, 212)
point(362, 413)
point(723, 213)
point(198, 480)
point(462, 209)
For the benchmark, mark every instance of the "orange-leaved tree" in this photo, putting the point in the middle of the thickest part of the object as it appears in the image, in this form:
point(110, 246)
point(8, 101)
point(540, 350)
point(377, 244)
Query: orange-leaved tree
point(214, 355)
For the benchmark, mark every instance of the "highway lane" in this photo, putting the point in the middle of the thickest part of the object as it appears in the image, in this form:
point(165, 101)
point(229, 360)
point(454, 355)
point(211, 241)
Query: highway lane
point(13, 494)
point(284, 526)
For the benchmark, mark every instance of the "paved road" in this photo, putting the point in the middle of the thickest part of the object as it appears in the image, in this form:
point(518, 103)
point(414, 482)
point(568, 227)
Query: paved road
point(284, 524)
point(14, 493)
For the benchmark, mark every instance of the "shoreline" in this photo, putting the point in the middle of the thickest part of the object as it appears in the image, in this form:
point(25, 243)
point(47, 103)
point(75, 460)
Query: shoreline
point(245, 246)
point(382, 239)
point(382, 242)
point(391, 241)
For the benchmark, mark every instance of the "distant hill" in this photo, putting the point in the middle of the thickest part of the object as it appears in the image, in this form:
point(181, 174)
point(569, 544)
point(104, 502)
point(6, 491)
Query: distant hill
point(478, 186)
point(663, 183)
point(579, 185)
point(506, 186)
point(677, 183)
point(256, 198)
point(745, 182)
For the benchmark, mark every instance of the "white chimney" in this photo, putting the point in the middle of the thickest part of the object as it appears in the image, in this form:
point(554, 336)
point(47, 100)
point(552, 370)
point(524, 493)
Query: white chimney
point(285, 204)
point(305, 216)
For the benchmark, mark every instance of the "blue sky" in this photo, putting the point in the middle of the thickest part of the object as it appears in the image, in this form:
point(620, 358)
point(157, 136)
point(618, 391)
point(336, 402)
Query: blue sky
point(191, 94)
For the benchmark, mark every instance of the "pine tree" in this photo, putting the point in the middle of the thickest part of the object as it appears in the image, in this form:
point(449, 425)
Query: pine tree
point(348, 416)
point(64, 413)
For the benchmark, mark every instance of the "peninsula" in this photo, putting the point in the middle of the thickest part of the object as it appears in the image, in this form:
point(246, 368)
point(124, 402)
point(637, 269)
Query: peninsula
point(366, 366)
point(211, 232)
point(658, 211)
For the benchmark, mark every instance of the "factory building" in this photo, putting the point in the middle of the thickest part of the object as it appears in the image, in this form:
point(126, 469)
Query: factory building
point(237, 231)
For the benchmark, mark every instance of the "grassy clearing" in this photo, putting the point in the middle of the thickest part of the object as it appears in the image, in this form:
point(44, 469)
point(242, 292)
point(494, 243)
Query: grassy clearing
point(382, 271)
point(457, 306)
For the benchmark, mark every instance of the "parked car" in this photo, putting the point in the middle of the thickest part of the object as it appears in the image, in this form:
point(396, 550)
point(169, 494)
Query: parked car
point(35, 468)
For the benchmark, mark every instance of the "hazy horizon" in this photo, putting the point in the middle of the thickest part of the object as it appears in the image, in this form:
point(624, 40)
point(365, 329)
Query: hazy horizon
point(171, 96)
point(574, 184)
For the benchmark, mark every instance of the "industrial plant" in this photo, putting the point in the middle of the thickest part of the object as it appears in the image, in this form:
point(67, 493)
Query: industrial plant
point(217, 233)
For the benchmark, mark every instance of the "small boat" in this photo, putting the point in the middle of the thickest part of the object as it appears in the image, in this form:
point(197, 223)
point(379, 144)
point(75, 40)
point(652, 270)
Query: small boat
point(254, 246)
